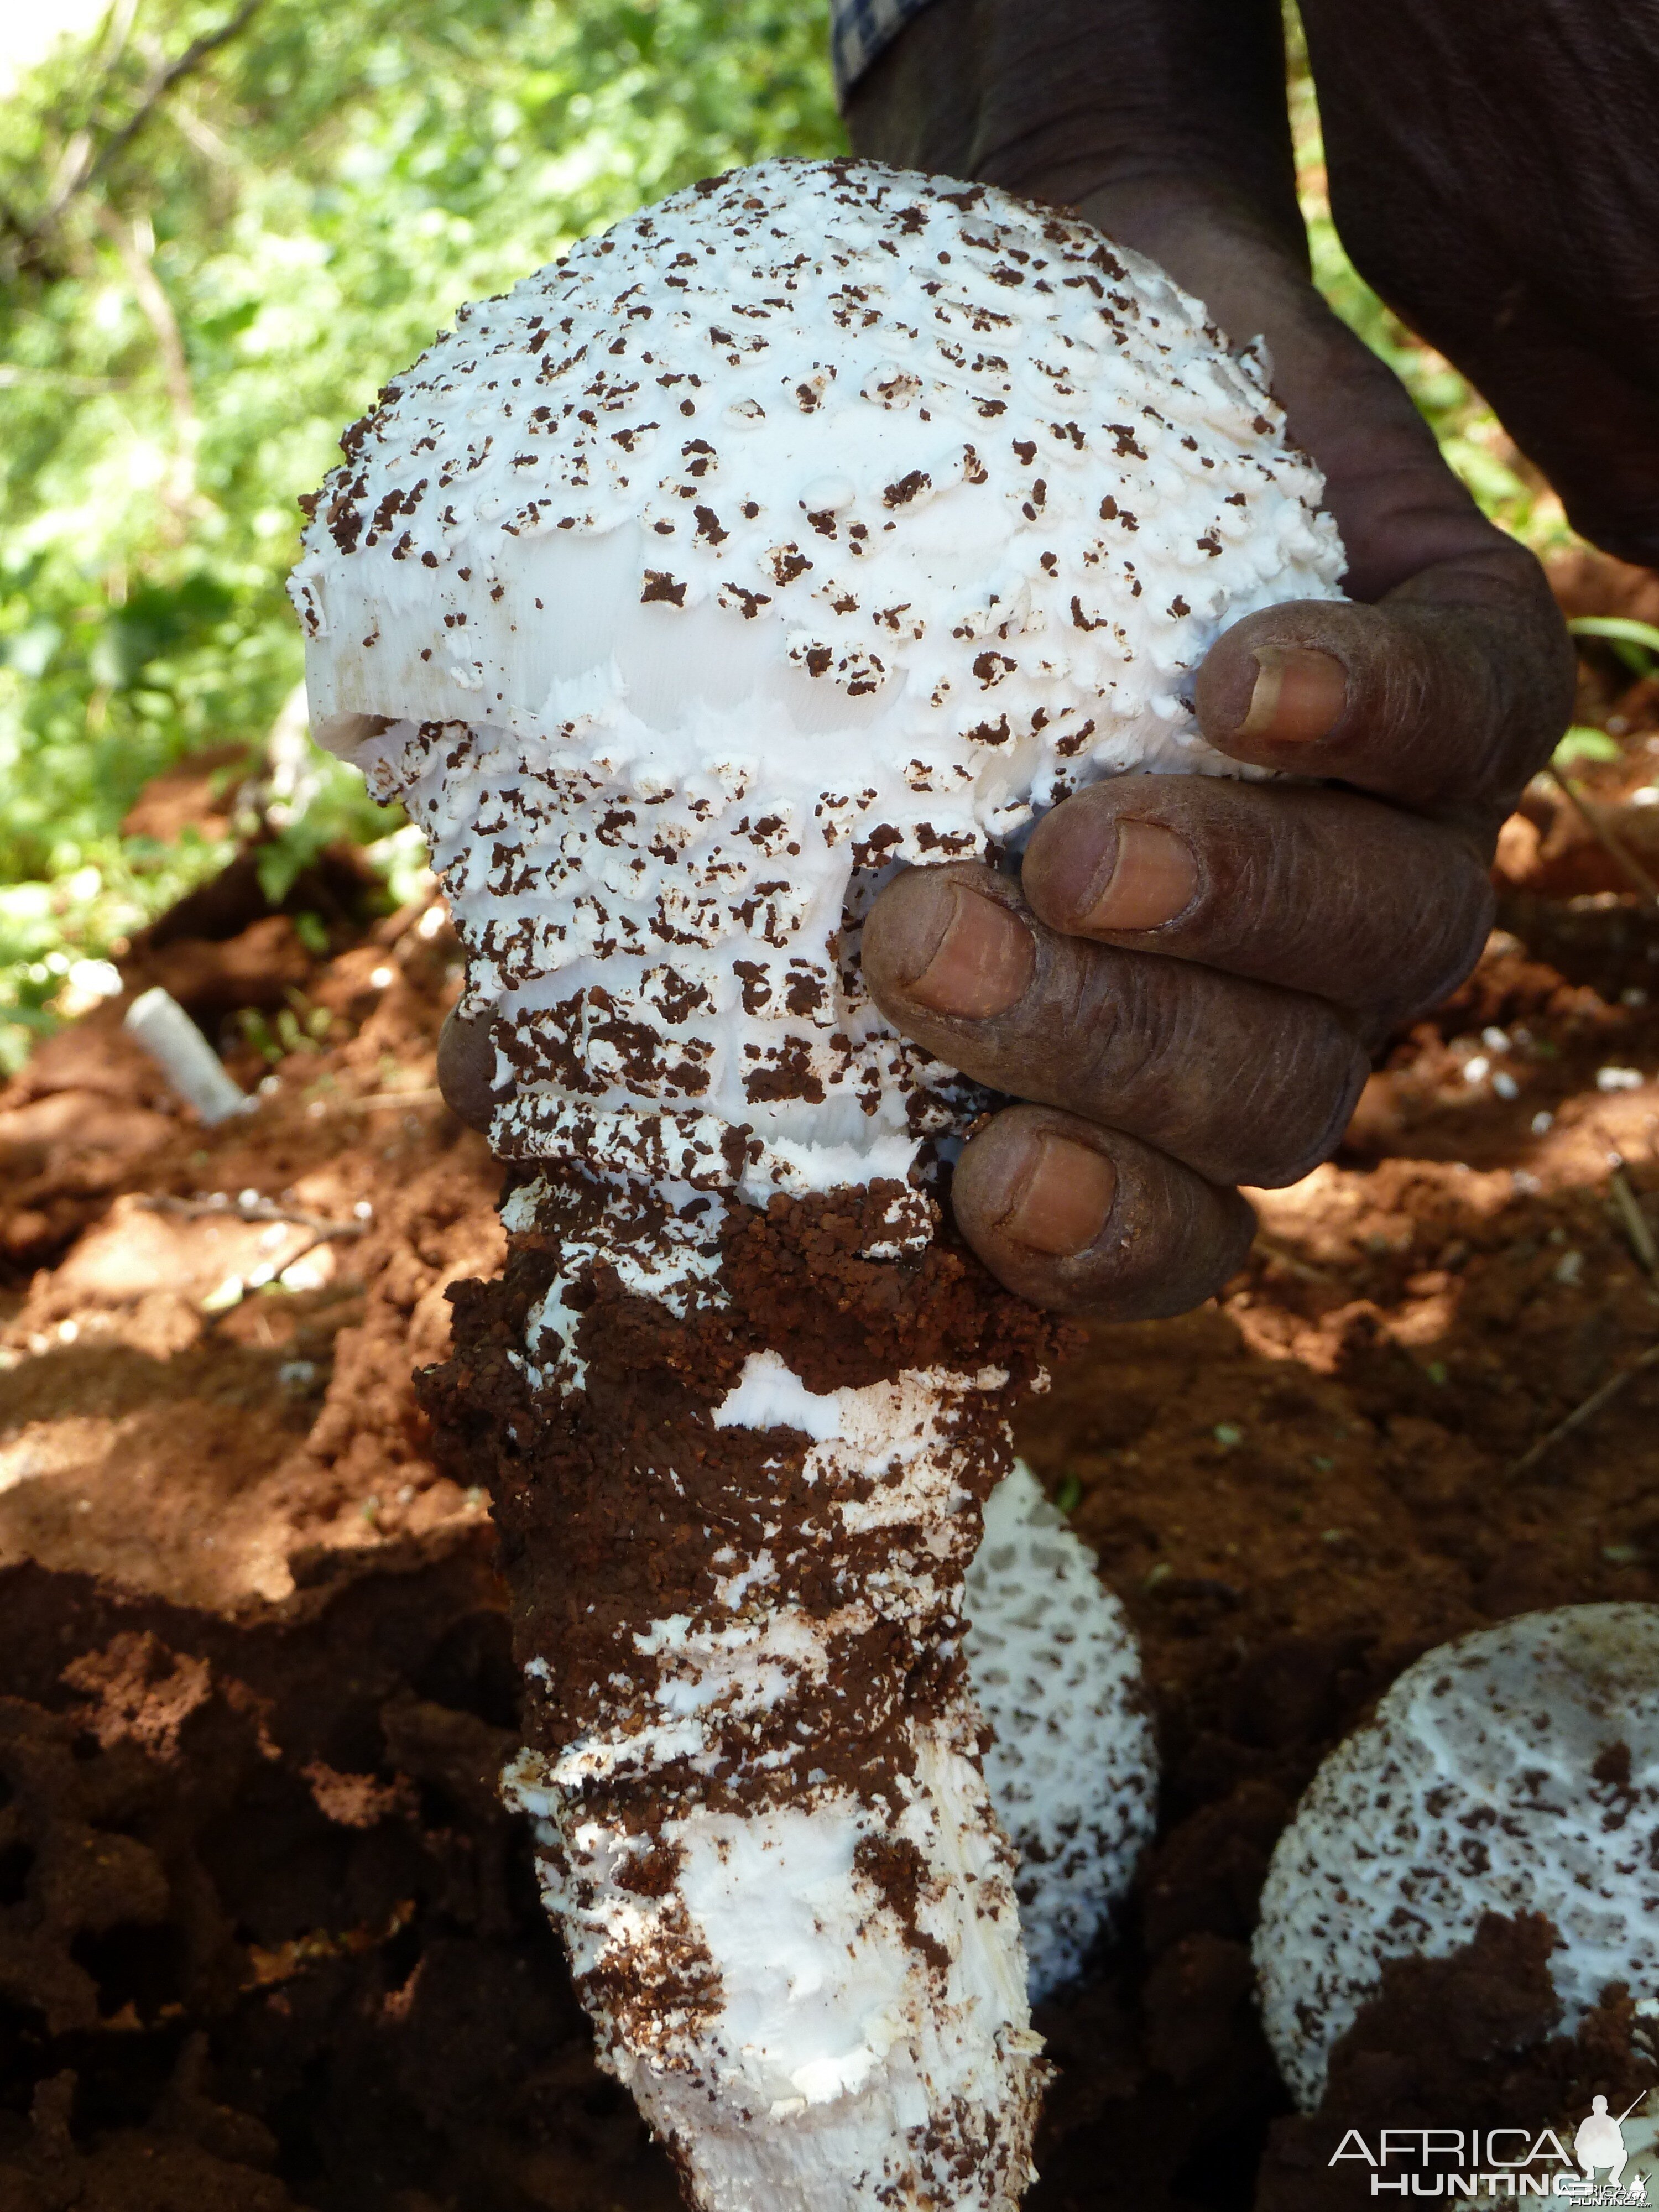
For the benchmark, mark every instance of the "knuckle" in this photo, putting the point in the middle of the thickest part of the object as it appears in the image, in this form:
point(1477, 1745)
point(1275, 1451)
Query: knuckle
point(1125, 1017)
point(1069, 1025)
point(1441, 941)
point(1290, 1103)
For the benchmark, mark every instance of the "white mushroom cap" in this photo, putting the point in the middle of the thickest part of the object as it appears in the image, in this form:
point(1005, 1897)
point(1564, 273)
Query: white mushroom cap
point(820, 518)
point(1073, 1773)
point(1514, 1771)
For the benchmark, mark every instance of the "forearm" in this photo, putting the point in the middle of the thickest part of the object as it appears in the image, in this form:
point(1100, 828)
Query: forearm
point(1062, 98)
point(1491, 174)
point(1165, 121)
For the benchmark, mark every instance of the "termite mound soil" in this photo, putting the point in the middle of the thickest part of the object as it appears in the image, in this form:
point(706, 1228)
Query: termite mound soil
point(266, 1939)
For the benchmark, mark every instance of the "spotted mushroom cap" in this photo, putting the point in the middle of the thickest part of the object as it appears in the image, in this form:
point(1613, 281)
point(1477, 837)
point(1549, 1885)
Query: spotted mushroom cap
point(820, 518)
point(1514, 1771)
point(1073, 1768)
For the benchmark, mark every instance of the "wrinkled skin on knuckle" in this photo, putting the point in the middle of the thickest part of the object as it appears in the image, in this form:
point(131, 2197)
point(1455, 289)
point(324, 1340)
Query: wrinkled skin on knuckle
point(1236, 1079)
point(1496, 682)
point(1348, 899)
point(1451, 933)
point(1330, 893)
point(1291, 1116)
point(1241, 1081)
point(1170, 1241)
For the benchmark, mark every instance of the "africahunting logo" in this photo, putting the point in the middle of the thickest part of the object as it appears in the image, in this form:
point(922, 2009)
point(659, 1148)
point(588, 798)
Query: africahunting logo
point(1489, 2163)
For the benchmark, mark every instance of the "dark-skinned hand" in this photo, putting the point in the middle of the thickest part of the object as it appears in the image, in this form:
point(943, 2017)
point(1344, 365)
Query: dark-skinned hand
point(1186, 979)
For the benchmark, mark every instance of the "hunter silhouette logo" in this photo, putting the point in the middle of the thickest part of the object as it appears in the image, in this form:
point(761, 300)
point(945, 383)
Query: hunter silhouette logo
point(1493, 2165)
point(1600, 2142)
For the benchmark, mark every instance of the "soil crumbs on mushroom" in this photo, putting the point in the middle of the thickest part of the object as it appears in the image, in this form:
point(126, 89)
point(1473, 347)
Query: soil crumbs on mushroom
point(266, 1938)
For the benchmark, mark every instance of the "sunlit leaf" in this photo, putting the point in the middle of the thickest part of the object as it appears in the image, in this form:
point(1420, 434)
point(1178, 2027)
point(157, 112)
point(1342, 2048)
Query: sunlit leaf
point(1584, 744)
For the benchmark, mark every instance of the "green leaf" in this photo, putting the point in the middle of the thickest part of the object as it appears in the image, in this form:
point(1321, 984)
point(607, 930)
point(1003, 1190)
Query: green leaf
point(277, 866)
point(1618, 630)
point(1634, 643)
point(1584, 744)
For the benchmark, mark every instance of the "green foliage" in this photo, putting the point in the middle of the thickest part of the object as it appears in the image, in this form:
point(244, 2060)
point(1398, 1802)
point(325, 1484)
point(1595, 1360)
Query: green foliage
point(1634, 643)
point(191, 311)
point(52, 932)
point(1583, 742)
point(297, 1027)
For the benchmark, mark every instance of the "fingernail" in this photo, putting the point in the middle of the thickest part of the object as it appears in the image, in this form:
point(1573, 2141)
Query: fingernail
point(1062, 1205)
point(981, 964)
point(1298, 695)
point(1154, 878)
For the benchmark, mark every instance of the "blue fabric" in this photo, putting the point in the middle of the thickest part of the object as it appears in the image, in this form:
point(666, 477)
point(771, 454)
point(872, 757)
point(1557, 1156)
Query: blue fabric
point(862, 29)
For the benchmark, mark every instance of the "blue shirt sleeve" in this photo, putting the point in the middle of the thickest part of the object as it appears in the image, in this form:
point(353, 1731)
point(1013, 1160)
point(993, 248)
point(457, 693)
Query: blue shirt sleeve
point(862, 29)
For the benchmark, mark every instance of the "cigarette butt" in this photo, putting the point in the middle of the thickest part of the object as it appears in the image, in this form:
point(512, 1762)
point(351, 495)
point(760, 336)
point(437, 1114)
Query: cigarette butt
point(184, 1057)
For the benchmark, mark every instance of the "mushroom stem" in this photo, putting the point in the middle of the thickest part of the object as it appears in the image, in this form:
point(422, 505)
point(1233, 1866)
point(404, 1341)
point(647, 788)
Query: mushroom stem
point(737, 1534)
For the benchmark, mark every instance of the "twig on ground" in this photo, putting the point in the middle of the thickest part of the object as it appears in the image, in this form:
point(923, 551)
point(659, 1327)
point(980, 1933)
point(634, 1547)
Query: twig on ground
point(1633, 1221)
point(316, 1229)
point(253, 1209)
point(1607, 837)
point(1592, 1406)
point(1278, 1257)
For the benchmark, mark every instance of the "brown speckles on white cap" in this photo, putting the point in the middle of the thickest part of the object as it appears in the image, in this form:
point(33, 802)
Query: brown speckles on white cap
point(1515, 1770)
point(921, 499)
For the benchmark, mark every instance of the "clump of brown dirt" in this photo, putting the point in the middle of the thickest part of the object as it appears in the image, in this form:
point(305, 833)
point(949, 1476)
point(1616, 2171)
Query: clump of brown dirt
point(1466, 2042)
point(267, 1939)
point(207, 1394)
point(618, 1503)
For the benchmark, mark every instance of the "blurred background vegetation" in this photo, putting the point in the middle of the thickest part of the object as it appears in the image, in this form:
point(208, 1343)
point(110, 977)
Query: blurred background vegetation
point(222, 224)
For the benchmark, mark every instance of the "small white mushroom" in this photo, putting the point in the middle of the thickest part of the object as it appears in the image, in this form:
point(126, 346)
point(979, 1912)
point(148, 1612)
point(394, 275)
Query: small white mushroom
point(1514, 1771)
point(820, 520)
point(1072, 1768)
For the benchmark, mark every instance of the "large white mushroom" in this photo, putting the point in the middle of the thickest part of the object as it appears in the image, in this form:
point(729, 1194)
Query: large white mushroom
point(1514, 1771)
point(819, 520)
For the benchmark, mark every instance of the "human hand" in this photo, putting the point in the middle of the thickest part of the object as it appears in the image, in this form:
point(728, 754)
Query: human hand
point(1186, 978)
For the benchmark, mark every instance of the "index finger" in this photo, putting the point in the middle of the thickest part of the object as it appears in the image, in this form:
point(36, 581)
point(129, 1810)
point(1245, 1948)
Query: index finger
point(1445, 697)
point(1453, 680)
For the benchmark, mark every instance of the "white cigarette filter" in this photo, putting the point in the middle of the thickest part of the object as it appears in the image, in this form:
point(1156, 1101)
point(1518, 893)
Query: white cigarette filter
point(820, 520)
point(1514, 1771)
point(186, 1058)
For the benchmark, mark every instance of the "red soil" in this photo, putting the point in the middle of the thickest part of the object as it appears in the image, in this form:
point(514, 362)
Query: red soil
point(266, 1940)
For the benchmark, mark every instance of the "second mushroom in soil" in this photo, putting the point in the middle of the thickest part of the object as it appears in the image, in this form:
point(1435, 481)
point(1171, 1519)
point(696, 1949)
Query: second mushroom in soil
point(819, 521)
